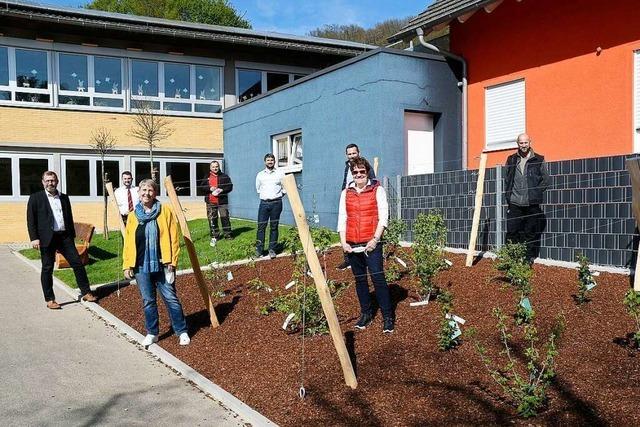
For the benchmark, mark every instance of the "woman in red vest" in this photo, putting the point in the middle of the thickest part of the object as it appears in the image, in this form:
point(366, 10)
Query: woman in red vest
point(362, 218)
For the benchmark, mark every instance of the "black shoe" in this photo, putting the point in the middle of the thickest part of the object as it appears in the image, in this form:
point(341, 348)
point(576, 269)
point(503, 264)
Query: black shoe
point(343, 266)
point(259, 253)
point(388, 324)
point(363, 322)
point(228, 236)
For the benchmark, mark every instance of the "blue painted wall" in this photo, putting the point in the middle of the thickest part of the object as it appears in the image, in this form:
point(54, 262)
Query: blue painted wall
point(361, 101)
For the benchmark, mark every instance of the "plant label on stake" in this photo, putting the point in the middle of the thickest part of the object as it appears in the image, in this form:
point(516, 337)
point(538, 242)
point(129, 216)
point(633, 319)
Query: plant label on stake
point(449, 263)
point(595, 273)
point(525, 303)
point(290, 284)
point(456, 319)
point(287, 320)
point(229, 276)
point(401, 262)
point(456, 329)
point(591, 285)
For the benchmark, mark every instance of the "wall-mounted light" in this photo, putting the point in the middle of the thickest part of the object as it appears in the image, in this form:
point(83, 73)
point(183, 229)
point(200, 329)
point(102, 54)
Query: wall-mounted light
point(41, 39)
point(134, 49)
point(90, 44)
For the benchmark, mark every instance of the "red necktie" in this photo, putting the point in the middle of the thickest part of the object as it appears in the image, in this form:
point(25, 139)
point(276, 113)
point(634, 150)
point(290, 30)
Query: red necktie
point(130, 200)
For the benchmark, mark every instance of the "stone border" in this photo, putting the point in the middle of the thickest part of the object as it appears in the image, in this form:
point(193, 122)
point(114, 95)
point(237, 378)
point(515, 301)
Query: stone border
point(229, 401)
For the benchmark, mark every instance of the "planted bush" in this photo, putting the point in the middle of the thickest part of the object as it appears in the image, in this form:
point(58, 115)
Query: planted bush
point(392, 249)
point(632, 303)
point(256, 286)
point(447, 337)
point(513, 263)
point(585, 280)
point(524, 382)
point(429, 238)
point(510, 255)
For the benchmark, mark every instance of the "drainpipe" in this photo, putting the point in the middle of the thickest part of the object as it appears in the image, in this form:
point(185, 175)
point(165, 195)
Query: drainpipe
point(420, 32)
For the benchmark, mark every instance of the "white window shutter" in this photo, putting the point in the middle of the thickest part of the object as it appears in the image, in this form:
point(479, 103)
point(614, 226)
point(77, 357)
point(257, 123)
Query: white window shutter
point(504, 114)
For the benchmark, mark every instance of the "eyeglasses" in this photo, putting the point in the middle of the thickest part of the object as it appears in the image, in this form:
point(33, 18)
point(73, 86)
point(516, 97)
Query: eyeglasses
point(355, 172)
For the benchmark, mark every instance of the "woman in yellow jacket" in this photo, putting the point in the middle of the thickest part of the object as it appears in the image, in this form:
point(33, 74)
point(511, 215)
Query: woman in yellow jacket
point(151, 255)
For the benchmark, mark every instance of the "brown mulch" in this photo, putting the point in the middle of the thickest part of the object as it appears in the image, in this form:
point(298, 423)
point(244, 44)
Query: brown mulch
point(403, 379)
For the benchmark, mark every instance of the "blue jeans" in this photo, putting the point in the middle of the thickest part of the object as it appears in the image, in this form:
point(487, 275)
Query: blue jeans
point(372, 261)
point(147, 284)
point(268, 211)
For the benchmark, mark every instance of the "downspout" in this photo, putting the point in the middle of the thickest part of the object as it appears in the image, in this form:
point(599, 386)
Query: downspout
point(424, 43)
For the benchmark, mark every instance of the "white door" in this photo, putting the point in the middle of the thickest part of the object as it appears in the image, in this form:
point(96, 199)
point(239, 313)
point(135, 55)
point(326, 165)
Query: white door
point(418, 129)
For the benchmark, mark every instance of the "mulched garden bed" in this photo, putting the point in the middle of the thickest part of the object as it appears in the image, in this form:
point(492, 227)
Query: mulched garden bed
point(402, 378)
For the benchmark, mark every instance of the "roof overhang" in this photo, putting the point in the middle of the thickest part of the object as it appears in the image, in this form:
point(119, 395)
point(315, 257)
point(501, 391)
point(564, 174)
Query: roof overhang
point(440, 14)
point(118, 22)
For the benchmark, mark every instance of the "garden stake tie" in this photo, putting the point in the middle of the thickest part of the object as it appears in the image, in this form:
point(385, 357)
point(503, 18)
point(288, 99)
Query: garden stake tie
point(289, 183)
point(302, 392)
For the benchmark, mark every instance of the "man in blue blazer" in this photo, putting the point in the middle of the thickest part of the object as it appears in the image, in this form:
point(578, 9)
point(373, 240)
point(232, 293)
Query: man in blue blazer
point(51, 229)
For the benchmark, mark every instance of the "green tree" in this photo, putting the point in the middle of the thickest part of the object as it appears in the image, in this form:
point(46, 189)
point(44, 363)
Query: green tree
point(377, 35)
point(217, 12)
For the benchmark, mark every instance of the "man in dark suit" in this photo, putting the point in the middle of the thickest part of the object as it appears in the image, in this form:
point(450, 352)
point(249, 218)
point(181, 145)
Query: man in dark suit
point(50, 224)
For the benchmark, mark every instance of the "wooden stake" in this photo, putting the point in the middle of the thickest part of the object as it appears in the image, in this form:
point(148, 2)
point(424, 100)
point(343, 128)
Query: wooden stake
point(633, 166)
point(375, 166)
point(109, 186)
point(191, 249)
point(289, 183)
point(476, 212)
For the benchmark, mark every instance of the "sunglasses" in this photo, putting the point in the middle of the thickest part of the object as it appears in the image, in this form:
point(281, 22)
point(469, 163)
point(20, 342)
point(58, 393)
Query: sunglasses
point(355, 172)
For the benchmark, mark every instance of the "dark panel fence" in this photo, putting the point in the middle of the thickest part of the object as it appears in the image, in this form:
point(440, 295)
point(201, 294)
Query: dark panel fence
point(587, 209)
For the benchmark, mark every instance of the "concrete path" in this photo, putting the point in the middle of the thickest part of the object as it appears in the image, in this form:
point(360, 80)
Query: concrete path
point(66, 367)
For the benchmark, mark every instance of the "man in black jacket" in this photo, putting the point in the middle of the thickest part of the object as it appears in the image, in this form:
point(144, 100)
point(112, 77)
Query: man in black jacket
point(218, 185)
point(51, 229)
point(352, 152)
point(525, 182)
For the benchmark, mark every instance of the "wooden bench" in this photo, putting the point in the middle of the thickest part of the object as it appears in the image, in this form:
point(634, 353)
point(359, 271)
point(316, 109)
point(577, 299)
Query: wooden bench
point(84, 233)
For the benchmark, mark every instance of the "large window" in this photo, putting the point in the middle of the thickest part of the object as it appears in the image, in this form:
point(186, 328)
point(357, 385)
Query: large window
point(86, 80)
point(77, 80)
point(636, 100)
point(30, 173)
point(6, 177)
point(287, 148)
point(185, 174)
point(504, 114)
point(82, 175)
point(32, 76)
point(255, 82)
point(175, 87)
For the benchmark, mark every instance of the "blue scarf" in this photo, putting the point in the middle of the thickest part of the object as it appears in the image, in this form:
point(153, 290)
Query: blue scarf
point(151, 262)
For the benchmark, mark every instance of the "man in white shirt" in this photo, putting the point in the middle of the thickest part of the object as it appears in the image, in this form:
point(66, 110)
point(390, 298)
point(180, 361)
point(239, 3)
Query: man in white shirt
point(269, 187)
point(126, 196)
point(51, 229)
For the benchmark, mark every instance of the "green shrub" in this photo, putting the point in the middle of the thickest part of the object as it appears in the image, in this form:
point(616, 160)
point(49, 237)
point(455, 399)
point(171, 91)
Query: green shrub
point(524, 382)
point(391, 249)
point(585, 280)
point(509, 255)
point(632, 303)
point(448, 327)
point(513, 263)
point(429, 238)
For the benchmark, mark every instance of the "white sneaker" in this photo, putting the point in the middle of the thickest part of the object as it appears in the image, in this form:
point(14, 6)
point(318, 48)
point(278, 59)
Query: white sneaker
point(184, 339)
point(213, 242)
point(149, 339)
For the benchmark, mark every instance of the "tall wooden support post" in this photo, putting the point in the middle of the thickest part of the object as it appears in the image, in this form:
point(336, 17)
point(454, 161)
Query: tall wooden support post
point(375, 166)
point(633, 166)
point(476, 212)
point(191, 249)
point(114, 203)
point(289, 183)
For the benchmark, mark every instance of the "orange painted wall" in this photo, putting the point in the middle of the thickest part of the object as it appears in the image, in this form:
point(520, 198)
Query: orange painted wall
point(578, 103)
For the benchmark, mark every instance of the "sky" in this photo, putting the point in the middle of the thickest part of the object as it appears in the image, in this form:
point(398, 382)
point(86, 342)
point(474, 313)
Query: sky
point(301, 16)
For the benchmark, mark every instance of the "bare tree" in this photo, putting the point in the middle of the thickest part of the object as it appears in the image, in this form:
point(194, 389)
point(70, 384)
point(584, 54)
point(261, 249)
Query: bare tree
point(150, 128)
point(102, 142)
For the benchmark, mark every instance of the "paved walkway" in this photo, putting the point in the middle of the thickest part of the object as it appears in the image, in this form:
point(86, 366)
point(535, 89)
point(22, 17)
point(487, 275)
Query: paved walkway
point(66, 367)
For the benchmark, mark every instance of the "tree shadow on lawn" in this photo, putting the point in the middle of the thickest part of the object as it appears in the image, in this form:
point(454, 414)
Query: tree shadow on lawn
point(97, 254)
point(239, 230)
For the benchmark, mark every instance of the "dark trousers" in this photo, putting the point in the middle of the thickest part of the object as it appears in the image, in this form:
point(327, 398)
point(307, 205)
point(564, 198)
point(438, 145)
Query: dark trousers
point(63, 243)
point(124, 218)
point(268, 211)
point(213, 211)
point(523, 226)
point(372, 261)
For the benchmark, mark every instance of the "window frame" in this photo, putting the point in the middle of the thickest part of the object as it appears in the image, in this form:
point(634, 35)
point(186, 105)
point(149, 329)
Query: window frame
point(508, 141)
point(93, 180)
point(13, 87)
point(291, 166)
point(125, 56)
point(15, 172)
point(265, 69)
point(163, 160)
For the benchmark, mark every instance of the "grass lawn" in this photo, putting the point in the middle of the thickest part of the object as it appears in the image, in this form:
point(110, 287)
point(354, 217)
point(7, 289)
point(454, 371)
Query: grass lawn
point(105, 256)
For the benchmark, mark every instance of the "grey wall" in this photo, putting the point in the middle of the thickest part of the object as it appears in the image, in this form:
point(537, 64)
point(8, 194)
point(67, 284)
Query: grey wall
point(587, 209)
point(362, 102)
